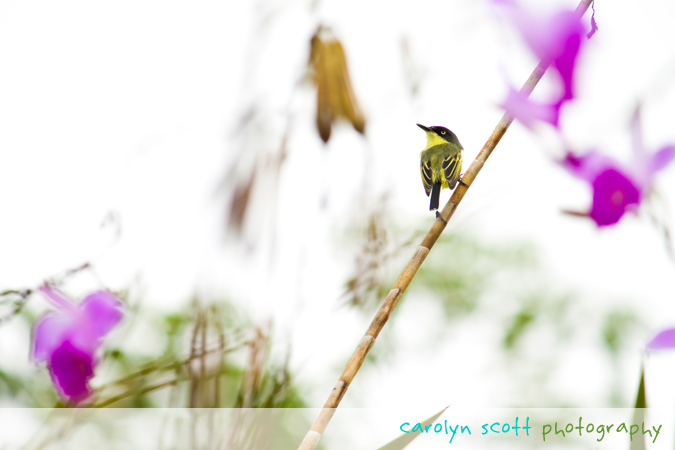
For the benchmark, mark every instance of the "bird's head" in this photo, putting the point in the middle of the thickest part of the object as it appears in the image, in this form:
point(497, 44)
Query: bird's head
point(440, 135)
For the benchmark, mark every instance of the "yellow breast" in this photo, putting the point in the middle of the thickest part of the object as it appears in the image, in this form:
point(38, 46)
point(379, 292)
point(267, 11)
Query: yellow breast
point(434, 139)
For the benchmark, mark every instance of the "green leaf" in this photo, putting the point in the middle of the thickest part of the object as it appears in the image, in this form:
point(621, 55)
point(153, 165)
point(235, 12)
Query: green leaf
point(406, 438)
point(639, 415)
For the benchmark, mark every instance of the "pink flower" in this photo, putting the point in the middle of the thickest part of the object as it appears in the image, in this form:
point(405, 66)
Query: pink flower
point(520, 107)
point(645, 165)
point(617, 188)
point(556, 40)
point(613, 195)
point(614, 192)
point(68, 339)
point(664, 339)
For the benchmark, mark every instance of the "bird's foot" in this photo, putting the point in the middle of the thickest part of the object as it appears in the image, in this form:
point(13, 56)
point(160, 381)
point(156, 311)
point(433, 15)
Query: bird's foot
point(462, 181)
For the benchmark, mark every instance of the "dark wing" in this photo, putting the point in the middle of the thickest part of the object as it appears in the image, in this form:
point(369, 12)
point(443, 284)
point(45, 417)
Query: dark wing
point(425, 168)
point(452, 166)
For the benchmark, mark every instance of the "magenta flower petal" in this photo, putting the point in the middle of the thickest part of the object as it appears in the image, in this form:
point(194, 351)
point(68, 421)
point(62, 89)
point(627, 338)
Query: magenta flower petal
point(48, 334)
point(565, 61)
point(645, 164)
point(57, 298)
point(71, 370)
point(613, 193)
point(662, 158)
point(555, 39)
point(102, 311)
point(665, 339)
point(588, 166)
point(520, 107)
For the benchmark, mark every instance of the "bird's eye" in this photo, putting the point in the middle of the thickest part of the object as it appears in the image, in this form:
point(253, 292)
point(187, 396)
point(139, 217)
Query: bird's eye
point(442, 132)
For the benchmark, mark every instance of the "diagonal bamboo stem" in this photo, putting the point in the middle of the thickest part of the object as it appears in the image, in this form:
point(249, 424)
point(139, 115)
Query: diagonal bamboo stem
point(354, 364)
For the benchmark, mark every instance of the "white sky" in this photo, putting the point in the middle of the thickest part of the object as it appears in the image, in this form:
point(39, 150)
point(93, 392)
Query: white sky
point(133, 107)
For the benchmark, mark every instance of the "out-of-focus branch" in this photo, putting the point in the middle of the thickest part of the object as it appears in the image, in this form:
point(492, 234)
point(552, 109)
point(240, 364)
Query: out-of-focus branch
point(19, 298)
point(139, 393)
point(382, 316)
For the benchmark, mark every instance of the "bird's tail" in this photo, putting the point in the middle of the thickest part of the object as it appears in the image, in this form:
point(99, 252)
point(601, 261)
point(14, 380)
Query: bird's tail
point(435, 196)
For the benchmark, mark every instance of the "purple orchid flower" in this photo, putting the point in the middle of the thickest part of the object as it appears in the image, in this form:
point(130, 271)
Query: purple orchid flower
point(616, 188)
point(614, 192)
point(663, 340)
point(556, 40)
point(67, 339)
point(521, 107)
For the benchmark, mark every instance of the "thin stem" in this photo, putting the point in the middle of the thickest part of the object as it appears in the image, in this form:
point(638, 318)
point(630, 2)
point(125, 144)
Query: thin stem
point(382, 316)
point(140, 393)
point(159, 366)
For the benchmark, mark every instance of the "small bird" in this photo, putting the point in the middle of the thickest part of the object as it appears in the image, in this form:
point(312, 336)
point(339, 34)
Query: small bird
point(440, 162)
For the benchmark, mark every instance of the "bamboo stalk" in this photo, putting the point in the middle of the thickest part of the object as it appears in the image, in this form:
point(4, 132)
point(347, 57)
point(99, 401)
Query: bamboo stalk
point(354, 364)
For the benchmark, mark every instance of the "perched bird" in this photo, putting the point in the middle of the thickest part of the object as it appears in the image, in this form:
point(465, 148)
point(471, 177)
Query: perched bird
point(440, 162)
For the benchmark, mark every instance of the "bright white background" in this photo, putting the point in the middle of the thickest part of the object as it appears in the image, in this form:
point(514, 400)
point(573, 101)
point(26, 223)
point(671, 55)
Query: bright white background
point(135, 108)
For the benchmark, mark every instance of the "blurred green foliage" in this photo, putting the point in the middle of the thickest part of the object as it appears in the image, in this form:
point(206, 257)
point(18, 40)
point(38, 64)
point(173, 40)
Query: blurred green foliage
point(212, 373)
point(211, 357)
point(618, 326)
point(536, 317)
point(203, 363)
point(460, 269)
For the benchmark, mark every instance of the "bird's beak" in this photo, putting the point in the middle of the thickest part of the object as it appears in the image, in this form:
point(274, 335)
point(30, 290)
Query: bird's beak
point(424, 128)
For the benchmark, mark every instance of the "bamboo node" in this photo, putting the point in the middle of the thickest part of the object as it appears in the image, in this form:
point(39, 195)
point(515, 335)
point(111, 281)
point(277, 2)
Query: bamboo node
point(310, 441)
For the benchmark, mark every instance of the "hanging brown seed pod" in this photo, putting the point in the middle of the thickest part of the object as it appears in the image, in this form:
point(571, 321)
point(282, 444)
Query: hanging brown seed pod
point(335, 94)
